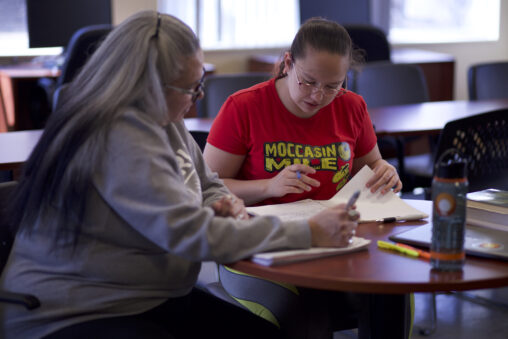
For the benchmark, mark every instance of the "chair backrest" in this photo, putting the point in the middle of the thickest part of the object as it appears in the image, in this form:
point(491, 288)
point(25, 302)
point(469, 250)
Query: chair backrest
point(57, 97)
point(218, 87)
point(6, 240)
point(200, 137)
point(483, 140)
point(371, 40)
point(80, 47)
point(387, 84)
point(488, 81)
point(6, 233)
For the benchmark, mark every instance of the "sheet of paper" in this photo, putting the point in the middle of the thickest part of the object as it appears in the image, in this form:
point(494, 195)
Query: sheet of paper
point(372, 206)
point(301, 209)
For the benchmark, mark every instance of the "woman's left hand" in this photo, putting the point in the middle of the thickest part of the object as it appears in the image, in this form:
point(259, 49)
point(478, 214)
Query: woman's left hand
point(230, 206)
point(385, 178)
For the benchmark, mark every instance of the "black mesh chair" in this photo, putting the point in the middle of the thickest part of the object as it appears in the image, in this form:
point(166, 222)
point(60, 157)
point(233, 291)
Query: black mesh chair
point(488, 81)
point(483, 141)
point(387, 84)
point(371, 40)
point(6, 240)
point(218, 87)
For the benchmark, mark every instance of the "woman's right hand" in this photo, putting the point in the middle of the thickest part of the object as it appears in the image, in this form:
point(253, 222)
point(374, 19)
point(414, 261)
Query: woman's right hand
point(333, 227)
point(287, 181)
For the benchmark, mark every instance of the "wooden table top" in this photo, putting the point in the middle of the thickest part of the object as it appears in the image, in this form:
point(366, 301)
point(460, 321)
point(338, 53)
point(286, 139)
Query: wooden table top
point(15, 147)
point(27, 72)
point(415, 119)
point(382, 271)
point(427, 118)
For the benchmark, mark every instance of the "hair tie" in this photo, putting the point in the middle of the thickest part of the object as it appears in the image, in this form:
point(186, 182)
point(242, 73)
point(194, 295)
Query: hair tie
point(158, 25)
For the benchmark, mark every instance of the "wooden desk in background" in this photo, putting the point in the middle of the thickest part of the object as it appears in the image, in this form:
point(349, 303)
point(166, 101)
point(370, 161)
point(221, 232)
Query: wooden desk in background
point(383, 275)
point(427, 118)
point(16, 146)
point(416, 119)
point(439, 68)
point(18, 88)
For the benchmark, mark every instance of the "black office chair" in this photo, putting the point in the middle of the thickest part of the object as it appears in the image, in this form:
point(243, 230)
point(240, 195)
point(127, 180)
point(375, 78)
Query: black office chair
point(488, 81)
point(6, 240)
point(388, 84)
point(200, 137)
point(483, 141)
point(79, 49)
point(371, 40)
point(218, 87)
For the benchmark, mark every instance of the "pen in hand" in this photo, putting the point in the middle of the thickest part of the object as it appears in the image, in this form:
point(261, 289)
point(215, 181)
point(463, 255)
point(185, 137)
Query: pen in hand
point(352, 213)
point(352, 200)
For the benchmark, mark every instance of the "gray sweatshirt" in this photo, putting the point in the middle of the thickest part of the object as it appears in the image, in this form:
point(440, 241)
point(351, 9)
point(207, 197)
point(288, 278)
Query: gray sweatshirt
point(147, 228)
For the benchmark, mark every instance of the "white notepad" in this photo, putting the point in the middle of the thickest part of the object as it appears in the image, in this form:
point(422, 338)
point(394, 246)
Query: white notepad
point(286, 257)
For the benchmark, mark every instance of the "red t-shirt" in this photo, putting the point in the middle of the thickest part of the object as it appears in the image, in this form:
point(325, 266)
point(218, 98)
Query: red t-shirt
point(254, 122)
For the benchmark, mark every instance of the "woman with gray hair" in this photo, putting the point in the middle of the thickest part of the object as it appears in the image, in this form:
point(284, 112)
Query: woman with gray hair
point(116, 209)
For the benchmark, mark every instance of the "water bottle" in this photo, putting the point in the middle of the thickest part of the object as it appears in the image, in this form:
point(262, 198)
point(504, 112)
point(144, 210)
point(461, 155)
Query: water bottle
point(449, 189)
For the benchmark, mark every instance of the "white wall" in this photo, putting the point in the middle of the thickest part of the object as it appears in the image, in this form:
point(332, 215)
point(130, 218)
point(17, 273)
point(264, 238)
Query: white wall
point(465, 54)
point(122, 9)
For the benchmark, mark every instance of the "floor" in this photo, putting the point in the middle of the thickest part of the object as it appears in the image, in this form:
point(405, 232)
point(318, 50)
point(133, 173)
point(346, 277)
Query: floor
point(467, 315)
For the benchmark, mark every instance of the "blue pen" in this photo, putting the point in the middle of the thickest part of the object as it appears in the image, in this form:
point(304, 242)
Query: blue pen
point(352, 200)
point(298, 175)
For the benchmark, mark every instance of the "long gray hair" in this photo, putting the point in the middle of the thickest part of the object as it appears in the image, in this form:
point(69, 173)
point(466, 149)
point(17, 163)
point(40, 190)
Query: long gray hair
point(128, 69)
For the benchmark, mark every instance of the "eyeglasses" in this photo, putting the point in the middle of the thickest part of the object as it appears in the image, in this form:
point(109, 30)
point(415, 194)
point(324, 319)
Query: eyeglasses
point(194, 93)
point(312, 87)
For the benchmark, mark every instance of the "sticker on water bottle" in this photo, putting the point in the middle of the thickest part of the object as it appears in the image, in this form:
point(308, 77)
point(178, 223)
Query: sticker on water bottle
point(445, 204)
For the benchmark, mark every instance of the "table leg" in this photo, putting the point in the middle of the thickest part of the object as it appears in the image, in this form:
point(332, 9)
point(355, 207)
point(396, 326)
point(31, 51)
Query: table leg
point(384, 316)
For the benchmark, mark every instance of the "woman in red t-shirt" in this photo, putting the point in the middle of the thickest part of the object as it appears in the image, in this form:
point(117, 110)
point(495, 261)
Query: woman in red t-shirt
point(300, 135)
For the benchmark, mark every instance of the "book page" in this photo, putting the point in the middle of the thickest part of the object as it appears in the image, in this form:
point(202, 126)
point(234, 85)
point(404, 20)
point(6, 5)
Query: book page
point(297, 210)
point(372, 206)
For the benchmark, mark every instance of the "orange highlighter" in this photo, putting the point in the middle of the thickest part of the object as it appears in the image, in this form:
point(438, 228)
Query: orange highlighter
point(403, 248)
point(421, 253)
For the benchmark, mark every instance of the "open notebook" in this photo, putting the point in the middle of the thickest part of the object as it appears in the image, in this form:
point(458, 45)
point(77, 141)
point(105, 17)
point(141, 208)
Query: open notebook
point(372, 206)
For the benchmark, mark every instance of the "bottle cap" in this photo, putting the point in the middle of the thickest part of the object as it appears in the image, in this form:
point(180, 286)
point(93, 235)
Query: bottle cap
point(451, 165)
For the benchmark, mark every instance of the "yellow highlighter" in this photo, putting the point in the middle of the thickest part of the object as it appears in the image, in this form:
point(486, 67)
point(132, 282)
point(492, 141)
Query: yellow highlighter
point(394, 247)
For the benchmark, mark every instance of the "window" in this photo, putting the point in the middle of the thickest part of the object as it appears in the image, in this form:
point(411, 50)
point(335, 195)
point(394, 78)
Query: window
point(238, 24)
point(441, 21)
point(14, 33)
